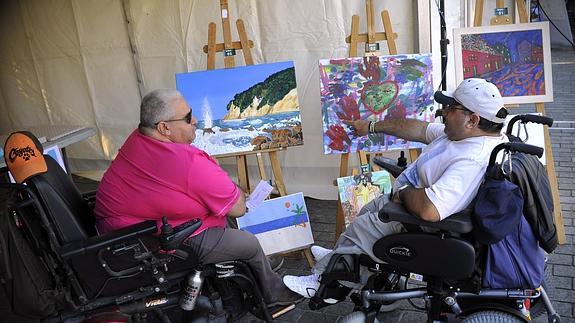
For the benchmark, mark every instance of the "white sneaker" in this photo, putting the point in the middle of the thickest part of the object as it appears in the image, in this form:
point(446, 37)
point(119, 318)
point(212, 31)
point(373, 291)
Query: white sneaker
point(319, 252)
point(306, 286)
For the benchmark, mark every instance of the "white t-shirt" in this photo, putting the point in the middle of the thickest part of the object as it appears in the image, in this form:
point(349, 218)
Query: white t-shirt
point(450, 171)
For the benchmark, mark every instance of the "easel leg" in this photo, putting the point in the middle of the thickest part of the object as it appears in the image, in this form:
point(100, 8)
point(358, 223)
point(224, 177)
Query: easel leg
point(261, 167)
point(243, 179)
point(558, 217)
point(211, 45)
point(339, 218)
point(277, 170)
point(308, 257)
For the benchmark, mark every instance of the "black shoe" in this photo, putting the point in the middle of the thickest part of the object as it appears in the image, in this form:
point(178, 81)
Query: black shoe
point(287, 298)
point(276, 262)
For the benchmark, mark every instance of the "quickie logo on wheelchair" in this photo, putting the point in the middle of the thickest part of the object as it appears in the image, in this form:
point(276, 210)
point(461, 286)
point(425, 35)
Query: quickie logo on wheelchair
point(400, 252)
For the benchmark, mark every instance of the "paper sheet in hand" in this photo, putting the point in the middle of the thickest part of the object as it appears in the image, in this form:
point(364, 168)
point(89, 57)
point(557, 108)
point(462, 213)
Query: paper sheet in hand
point(260, 193)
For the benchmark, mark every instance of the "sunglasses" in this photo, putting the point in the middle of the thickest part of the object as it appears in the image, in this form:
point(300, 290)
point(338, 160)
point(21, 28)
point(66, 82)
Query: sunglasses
point(187, 118)
point(453, 107)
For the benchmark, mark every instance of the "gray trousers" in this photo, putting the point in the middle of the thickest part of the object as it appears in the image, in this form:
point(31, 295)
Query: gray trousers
point(362, 233)
point(218, 244)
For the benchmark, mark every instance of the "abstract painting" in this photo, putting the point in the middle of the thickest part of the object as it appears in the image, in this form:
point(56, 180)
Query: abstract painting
point(516, 58)
point(373, 88)
point(244, 108)
point(280, 224)
point(358, 190)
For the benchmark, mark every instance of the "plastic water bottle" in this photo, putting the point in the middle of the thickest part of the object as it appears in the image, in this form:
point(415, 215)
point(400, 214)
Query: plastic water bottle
point(191, 291)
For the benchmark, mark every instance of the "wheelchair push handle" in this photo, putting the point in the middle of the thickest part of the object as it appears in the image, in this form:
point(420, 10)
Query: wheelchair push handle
point(524, 118)
point(518, 147)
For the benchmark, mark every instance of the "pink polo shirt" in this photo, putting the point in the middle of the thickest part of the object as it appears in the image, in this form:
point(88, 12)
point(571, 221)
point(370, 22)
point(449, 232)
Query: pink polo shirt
point(150, 178)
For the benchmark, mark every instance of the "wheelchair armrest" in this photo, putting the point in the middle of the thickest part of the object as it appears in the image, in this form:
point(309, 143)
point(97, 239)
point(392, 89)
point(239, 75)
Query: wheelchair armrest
point(459, 222)
point(171, 239)
point(389, 165)
point(83, 247)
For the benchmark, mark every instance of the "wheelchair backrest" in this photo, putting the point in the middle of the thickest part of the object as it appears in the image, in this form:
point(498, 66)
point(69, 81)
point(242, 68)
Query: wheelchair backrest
point(63, 203)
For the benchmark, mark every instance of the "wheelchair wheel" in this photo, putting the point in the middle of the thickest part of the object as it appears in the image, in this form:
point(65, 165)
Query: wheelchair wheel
point(491, 316)
point(355, 317)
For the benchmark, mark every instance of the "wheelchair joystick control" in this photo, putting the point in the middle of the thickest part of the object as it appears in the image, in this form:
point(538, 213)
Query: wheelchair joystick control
point(191, 291)
point(401, 160)
point(166, 227)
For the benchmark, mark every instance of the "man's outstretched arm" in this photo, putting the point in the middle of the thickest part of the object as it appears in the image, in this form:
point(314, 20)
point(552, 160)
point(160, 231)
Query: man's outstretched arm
point(409, 129)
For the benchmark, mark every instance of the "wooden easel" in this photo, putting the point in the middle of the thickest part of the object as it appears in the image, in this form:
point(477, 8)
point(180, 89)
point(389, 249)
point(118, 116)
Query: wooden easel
point(504, 19)
point(229, 47)
point(371, 39)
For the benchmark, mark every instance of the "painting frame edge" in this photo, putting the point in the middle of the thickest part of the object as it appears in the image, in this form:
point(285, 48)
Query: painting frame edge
point(547, 64)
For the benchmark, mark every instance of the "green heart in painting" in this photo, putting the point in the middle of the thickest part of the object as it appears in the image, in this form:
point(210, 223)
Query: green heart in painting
point(377, 97)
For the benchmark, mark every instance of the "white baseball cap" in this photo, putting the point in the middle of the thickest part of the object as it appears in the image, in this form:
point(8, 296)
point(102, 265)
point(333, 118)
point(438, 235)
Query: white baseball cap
point(477, 95)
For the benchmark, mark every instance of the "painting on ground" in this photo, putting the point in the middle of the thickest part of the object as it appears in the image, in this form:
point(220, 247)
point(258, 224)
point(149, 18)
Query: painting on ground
point(245, 108)
point(373, 88)
point(358, 190)
point(516, 58)
point(280, 224)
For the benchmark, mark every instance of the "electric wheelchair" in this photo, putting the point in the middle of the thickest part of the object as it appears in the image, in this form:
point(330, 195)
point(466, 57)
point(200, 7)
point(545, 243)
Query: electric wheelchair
point(128, 275)
point(446, 261)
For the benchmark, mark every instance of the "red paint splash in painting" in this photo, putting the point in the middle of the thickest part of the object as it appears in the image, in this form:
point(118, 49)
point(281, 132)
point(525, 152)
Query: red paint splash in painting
point(338, 136)
point(371, 71)
point(349, 109)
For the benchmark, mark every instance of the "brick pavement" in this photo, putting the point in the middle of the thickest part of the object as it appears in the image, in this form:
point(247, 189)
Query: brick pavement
point(561, 262)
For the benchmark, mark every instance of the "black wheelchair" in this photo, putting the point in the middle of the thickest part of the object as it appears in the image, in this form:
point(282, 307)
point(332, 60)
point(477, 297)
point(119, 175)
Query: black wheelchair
point(128, 275)
point(446, 261)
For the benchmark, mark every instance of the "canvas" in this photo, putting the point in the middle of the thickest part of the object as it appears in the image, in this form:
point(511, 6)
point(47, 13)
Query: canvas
point(373, 88)
point(244, 108)
point(358, 190)
point(516, 58)
point(280, 224)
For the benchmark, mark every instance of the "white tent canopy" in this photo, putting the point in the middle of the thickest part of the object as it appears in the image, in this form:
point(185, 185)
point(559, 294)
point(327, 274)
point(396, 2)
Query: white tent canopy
point(71, 62)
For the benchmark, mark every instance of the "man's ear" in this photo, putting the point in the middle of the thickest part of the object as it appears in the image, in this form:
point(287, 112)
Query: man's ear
point(163, 128)
point(474, 120)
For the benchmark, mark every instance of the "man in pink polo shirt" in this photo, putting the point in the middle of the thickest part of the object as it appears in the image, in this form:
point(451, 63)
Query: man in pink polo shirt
point(158, 172)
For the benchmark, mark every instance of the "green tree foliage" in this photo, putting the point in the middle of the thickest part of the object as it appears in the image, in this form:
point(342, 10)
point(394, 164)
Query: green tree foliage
point(270, 91)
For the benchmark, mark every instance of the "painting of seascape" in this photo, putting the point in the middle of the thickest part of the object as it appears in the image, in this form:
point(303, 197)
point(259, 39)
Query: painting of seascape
point(373, 88)
point(516, 58)
point(245, 108)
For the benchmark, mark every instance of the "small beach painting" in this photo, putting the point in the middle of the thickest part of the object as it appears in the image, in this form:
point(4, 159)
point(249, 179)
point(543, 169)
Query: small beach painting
point(280, 224)
point(244, 108)
point(516, 58)
point(358, 190)
point(373, 88)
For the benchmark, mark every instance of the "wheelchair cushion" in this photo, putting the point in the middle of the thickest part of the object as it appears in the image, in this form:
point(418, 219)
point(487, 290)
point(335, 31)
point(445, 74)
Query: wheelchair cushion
point(427, 254)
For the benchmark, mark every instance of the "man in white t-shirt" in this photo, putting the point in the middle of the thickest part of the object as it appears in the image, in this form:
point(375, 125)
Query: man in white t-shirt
point(441, 182)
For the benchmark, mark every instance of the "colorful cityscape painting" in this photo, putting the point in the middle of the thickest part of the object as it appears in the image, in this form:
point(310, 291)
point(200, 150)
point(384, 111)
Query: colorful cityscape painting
point(245, 108)
point(358, 190)
point(373, 88)
point(280, 224)
point(516, 58)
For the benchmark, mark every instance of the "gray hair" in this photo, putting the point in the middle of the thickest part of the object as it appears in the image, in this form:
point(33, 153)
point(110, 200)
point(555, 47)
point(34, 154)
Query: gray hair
point(155, 107)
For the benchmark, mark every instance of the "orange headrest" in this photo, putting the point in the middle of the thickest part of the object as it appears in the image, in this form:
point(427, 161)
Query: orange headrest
point(23, 155)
